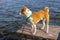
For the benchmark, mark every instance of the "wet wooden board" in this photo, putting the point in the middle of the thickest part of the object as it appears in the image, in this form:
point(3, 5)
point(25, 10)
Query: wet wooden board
point(53, 33)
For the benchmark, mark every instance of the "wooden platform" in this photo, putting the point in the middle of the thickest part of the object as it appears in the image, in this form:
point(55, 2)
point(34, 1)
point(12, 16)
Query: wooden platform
point(53, 32)
point(15, 32)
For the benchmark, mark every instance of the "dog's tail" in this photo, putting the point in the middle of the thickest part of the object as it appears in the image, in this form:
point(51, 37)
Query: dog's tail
point(46, 9)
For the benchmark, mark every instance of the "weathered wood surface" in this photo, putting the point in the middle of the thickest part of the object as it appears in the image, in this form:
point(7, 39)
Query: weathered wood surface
point(53, 32)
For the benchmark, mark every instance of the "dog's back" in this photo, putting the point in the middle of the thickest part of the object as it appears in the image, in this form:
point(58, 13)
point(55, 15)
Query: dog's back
point(39, 15)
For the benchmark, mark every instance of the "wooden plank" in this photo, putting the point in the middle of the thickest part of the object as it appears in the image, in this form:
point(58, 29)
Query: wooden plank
point(39, 34)
point(26, 30)
point(51, 35)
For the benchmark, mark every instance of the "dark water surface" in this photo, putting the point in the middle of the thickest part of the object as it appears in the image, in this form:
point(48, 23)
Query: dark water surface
point(9, 10)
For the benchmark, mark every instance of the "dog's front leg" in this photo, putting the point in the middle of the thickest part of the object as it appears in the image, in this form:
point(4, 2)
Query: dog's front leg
point(34, 30)
point(33, 26)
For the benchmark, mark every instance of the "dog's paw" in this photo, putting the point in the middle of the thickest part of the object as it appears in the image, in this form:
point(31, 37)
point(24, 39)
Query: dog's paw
point(34, 33)
point(42, 28)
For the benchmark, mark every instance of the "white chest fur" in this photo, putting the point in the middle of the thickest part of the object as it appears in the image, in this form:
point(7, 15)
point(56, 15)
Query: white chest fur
point(28, 12)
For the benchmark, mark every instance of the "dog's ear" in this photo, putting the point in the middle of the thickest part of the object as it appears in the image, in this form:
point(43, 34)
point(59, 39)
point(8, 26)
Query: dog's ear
point(23, 9)
point(24, 6)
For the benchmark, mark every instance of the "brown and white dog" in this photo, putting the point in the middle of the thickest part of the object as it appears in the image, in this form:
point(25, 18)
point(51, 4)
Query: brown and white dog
point(35, 17)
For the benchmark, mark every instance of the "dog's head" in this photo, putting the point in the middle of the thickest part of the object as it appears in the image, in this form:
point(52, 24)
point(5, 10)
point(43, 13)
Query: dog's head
point(25, 11)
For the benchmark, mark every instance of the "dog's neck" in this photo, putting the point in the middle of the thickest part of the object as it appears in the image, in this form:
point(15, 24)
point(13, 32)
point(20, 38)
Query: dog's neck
point(28, 13)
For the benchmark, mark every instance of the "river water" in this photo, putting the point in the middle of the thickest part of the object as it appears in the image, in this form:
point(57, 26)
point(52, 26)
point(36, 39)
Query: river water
point(9, 10)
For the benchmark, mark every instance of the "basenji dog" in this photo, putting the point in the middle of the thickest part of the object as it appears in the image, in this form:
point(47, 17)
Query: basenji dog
point(35, 17)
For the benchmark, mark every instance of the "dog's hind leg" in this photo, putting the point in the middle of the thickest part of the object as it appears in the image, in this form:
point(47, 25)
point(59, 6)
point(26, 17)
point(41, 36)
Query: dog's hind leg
point(47, 24)
point(47, 28)
point(43, 24)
